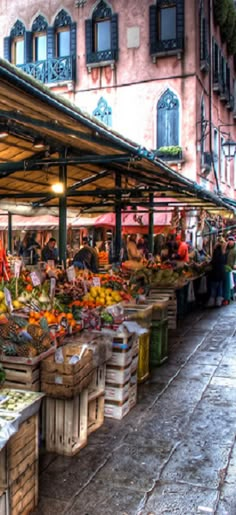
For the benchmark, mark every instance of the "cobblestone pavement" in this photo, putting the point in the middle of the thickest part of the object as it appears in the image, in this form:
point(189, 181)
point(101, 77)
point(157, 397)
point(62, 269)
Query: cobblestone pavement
point(175, 452)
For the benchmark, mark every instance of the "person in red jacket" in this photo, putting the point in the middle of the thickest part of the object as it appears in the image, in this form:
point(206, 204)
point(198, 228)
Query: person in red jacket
point(182, 252)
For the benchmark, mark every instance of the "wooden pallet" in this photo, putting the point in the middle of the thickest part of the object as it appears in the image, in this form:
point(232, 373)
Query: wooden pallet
point(67, 424)
point(95, 413)
point(22, 376)
point(97, 384)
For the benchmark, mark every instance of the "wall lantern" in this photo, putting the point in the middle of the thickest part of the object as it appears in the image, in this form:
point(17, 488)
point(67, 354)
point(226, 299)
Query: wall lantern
point(229, 148)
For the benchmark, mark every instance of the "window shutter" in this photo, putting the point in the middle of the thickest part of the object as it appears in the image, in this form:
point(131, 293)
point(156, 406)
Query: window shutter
point(152, 28)
point(180, 23)
point(28, 47)
point(73, 39)
point(51, 42)
point(88, 37)
point(114, 33)
point(7, 48)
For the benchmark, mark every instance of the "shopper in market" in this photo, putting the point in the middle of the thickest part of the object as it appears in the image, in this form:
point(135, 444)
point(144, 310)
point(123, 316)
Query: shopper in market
point(133, 253)
point(86, 257)
point(217, 274)
point(230, 266)
point(182, 250)
point(50, 252)
point(29, 248)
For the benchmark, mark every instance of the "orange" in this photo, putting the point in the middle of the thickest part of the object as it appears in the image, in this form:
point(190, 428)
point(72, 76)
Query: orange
point(69, 316)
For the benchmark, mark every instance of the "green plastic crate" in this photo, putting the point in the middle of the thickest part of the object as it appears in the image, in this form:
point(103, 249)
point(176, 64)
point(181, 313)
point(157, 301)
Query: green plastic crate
point(159, 343)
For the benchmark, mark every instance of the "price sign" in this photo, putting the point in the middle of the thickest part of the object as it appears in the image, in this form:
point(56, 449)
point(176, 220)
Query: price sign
point(96, 281)
point(52, 287)
point(51, 263)
point(17, 268)
point(8, 298)
point(70, 274)
point(35, 278)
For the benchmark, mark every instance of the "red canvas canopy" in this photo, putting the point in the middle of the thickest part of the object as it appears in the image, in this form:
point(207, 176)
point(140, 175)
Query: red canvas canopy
point(135, 222)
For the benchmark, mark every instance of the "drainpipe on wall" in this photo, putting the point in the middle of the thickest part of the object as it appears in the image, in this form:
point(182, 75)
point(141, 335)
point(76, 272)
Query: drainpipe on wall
point(210, 11)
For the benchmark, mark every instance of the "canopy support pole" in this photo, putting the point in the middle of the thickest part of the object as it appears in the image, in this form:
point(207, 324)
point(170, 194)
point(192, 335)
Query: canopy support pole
point(118, 218)
point(151, 223)
point(9, 243)
point(62, 216)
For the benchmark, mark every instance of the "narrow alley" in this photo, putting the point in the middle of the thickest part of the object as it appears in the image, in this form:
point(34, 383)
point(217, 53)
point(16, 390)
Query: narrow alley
point(175, 452)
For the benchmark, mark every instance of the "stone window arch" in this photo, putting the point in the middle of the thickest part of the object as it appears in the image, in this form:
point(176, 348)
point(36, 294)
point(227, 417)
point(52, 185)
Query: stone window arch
point(168, 120)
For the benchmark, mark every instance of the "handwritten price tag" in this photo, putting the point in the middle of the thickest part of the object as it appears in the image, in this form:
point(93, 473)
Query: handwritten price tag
point(8, 298)
point(70, 274)
point(96, 281)
point(35, 278)
point(17, 268)
point(52, 287)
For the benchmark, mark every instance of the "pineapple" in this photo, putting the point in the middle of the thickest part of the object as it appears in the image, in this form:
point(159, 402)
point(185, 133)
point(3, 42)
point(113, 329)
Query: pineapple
point(23, 350)
point(46, 341)
point(39, 347)
point(9, 349)
point(35, 331)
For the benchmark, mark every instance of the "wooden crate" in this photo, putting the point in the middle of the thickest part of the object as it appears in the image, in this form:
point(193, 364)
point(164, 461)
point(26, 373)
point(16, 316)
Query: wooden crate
point(65, 380)
point(95, 413)
point(22, 376)
point(67, 424)
point(170, 293)
point(97, 384)
point(19, 470)
point(20, 452)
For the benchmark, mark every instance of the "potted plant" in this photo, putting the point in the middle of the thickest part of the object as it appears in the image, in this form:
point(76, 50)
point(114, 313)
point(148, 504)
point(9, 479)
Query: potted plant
point(170, 153)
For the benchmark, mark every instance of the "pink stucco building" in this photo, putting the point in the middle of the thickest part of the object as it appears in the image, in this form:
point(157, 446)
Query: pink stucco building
point(155, 71)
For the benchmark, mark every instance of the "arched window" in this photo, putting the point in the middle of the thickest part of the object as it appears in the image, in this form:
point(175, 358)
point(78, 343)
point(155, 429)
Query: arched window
point(102, 35)
point(39, 31)
point(168, 120)
point(17, 38)
point(103, 112)
point(62, 27)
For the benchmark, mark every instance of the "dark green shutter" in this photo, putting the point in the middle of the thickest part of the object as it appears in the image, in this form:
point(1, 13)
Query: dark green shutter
point(114, 34)
point(28, 47)
point(180, 23)
point(73, 48)
point(51, 42)
point(7, 48)
point(152, 28)
point(73, 39)
point(88, 37)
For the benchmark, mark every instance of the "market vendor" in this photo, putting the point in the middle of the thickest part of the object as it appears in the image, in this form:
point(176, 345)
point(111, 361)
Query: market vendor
point(230, 266)
point(133, 253)
point(50, 252)
point(86, 257)
point(182, 250)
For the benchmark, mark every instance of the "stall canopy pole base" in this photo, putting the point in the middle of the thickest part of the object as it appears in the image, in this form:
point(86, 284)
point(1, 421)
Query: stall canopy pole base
point(151, 223)
point(118, 218)
point(62, 216)
point(9, 243)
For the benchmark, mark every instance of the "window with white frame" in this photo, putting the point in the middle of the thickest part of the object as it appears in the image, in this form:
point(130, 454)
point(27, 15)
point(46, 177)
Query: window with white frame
point(222, 160)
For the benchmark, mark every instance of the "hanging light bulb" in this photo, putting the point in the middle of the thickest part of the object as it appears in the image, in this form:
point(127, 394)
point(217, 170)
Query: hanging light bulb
point(58, 187)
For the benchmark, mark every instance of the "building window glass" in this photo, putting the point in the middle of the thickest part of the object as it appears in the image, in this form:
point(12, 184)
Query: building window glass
point(168, 120)
point(103, 112)
point(63, 43)
point(18, 43)
point(102, 36)
point(63, 34)
point(167, 23)
point(39, 30)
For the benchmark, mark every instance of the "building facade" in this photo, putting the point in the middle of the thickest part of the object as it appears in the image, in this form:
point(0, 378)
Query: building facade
point(160, 72)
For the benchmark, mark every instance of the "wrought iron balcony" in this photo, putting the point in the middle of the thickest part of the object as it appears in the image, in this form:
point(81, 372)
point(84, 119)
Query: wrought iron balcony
point(101, 57)
point(161, 47)
point(55, 70)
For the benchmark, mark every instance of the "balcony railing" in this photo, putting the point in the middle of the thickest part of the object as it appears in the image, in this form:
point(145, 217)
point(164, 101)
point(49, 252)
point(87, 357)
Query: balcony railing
point(167, 46)
point(101, 57)
point(51, 71)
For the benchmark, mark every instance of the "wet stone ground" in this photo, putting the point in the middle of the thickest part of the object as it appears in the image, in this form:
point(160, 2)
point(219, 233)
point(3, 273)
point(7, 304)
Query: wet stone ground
point(175, 452)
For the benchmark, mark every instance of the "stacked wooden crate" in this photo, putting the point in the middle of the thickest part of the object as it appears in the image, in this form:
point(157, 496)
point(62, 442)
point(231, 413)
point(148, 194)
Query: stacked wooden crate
point(19, 470)
point(168, 293)
point(121, 377)
point(96, 398)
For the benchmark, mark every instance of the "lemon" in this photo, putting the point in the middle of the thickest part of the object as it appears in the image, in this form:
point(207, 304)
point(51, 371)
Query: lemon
point(2, 296)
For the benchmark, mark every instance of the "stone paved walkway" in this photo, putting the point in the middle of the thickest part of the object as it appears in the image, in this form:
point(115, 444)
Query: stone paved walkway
point(175, 453)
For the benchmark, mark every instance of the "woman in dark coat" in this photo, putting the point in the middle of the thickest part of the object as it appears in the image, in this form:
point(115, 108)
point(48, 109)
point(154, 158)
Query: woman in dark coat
point(217, 274)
